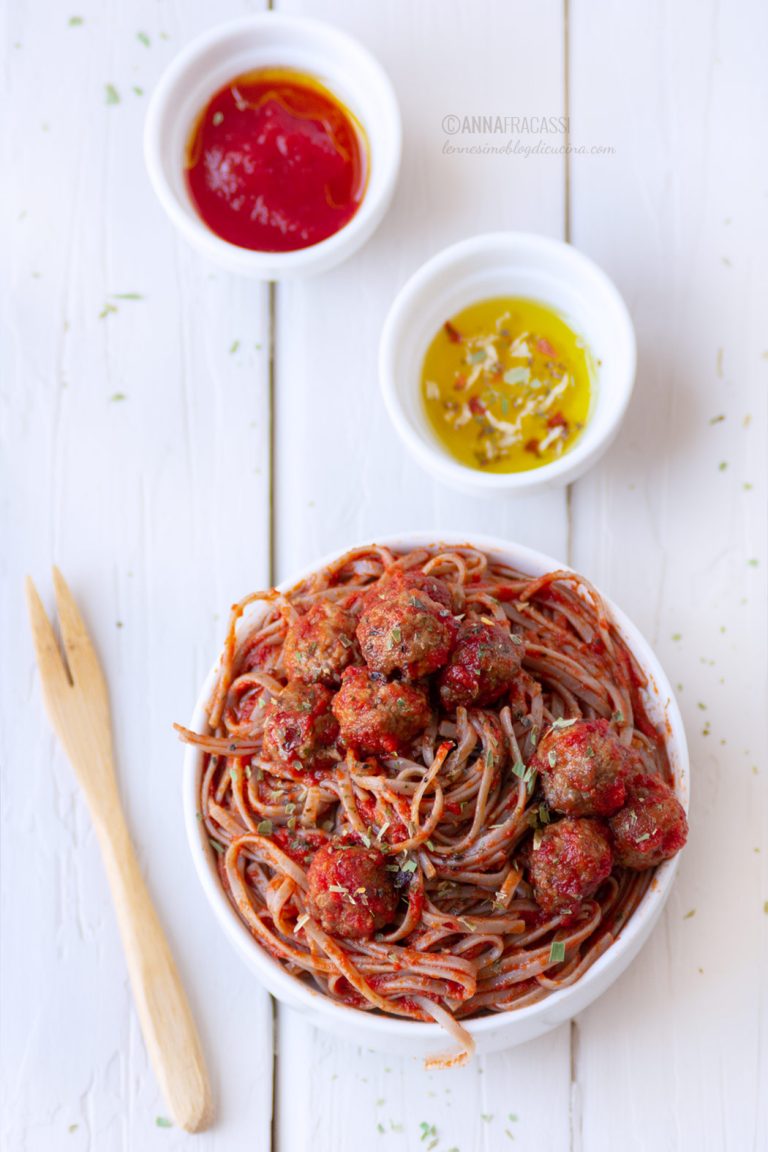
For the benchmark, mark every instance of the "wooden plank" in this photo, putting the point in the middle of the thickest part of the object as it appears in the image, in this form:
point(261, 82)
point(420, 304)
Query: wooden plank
point(673, 525)
point(342, 473)
point(343, 476)
point(135, 454)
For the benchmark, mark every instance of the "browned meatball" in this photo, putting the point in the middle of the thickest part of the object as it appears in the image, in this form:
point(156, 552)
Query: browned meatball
point(651, 827)
point(483, 666)
point(407, 632)
point(351, 892)
point(300, 728)
point(582, 767)
point(397, 579)
point(320, 644)
point(569, 865)
point(377, 718)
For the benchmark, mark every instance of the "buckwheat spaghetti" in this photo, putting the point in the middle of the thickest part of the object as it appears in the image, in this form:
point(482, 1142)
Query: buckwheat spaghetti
point(382, 825)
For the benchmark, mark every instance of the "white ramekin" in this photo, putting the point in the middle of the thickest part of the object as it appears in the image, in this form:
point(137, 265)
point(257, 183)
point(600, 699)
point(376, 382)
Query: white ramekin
point(270, 39)
point(491, 1033)
point(507, 264)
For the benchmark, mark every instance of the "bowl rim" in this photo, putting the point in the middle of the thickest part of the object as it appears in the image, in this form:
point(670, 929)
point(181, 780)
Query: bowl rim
point(289, 989)
point(378, 193)
point(507, 245)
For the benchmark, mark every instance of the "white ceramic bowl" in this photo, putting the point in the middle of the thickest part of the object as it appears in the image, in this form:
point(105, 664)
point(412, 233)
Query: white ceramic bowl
point(271, 39)
point(491, 1033)
point(507, 264)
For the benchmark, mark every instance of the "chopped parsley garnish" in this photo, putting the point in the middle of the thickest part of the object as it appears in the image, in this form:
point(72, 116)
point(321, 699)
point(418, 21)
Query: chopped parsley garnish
point(557, 952)
point(112, 94)
point(143, 38)
point(689, 914)
point(552, 758)
point(217, 847)
point(562, 723)
point(163, 1122)
point(519, 769)
point(264, 828)
point(618, 717)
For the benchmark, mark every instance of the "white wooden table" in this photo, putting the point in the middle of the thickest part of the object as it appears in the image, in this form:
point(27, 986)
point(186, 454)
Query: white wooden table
point(174, 437)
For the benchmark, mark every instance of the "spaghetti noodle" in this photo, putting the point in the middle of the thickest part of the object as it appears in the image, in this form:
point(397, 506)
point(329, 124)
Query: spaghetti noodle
point(447, 806)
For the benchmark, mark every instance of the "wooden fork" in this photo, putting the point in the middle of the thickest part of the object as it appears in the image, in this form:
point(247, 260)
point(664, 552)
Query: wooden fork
point(77, 702)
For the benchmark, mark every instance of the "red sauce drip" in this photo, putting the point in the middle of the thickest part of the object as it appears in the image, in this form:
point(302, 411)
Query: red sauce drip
point(275, 162)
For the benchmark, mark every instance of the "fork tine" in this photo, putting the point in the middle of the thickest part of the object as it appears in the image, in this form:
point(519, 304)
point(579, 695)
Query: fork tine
point(81, 655)
point(53, 671)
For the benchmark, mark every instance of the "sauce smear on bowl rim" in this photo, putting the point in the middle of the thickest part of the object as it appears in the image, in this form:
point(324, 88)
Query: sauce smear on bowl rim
point(275, 162)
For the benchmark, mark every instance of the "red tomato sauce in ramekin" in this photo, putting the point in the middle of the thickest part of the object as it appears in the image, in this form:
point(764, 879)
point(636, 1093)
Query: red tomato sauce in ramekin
point(275, 162)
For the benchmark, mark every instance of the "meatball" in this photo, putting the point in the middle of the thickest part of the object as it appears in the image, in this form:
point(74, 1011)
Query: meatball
point(582, 767)
point(300, 728)
point(569, 865)
point(651, 826)
point(351, 892)
point(378, 718)
point(483, 666)
point(320, 644)
point(407, 632)
point(397, 579)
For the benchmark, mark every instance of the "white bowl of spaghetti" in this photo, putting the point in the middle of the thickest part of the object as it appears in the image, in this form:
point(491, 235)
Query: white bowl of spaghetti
point(467, 954)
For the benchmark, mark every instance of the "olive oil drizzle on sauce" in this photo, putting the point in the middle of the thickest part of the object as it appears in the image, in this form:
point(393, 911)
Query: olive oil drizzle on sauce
point(507, 385)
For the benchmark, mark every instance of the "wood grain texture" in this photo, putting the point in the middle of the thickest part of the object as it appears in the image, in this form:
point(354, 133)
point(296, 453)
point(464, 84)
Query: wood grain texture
point(120, 459)
point(343, 476)
point(673, 525)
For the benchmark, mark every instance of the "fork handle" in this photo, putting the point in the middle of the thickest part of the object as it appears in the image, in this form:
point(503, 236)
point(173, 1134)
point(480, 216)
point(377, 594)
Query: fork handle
point(164, 1013)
